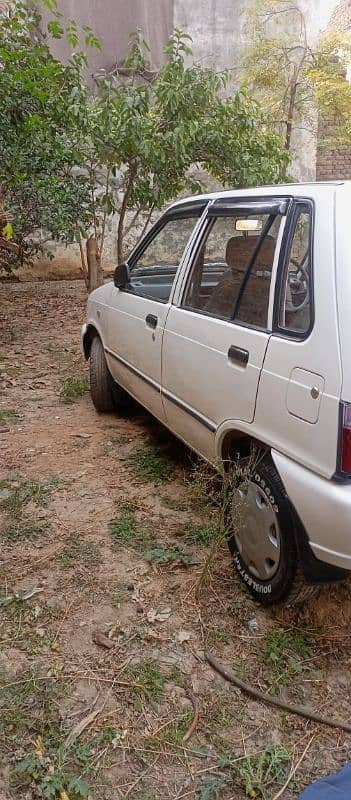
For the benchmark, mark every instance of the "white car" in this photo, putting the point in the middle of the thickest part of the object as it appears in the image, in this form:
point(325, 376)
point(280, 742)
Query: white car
point(231, 324)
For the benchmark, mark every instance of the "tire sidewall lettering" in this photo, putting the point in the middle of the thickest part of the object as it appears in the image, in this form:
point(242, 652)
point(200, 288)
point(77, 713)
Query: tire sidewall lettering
point(263, 485)
point(261, 588)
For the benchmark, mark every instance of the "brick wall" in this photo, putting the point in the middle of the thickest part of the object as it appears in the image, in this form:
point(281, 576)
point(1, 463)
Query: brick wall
point(335, 164)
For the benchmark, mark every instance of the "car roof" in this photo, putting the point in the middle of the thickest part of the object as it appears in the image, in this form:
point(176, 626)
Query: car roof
point(310, 190)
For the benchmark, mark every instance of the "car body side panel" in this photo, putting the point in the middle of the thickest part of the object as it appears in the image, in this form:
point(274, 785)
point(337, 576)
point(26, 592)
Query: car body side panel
point(324, 508)
point(198, 373)
point(343, 281)
point(312, 440)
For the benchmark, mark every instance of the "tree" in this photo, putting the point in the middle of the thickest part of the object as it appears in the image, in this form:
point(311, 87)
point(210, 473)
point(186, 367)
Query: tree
point(293, 80)
point(149, 133)
point(41, 187)
point(73, 159)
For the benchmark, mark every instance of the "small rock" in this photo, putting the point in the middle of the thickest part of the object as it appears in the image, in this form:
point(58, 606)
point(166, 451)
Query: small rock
point(252, 624)
point(102, 640)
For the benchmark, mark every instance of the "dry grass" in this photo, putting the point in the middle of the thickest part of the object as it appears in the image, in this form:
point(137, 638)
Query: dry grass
point(111, 646)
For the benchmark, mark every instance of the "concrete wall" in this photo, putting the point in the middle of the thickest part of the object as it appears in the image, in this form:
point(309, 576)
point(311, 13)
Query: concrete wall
point(216, 27)
point(112, 21)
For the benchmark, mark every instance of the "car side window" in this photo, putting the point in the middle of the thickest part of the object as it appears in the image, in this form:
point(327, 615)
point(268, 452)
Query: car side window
point(221, 283)
point(153, 274)
point(295, 312)
point(254, 303)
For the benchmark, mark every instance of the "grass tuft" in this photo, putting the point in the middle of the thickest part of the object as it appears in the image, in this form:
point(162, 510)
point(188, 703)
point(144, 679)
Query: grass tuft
point(126, 531)
point(151, 464)
point(75, 554)
point(146, 683)
point(284, 653)
point(163, 555)
point(202, 535)
point(21, 495)
point(22, 532)
point(260, 773)
point(211, 788)
point(8, 415)
point(72, 389)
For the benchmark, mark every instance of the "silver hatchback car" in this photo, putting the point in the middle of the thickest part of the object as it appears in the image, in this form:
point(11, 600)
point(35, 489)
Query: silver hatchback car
point(230, 323)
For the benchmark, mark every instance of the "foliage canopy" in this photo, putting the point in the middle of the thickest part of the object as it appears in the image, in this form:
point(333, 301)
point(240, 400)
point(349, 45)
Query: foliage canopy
point(292, 79)
point(74, 155)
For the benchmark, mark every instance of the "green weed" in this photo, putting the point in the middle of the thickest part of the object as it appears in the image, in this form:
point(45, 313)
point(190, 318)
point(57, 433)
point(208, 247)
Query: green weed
point(217, 635)
point(77, 553)
point(200, 534)
point(283, 653)
point(72, 389)
point(126, 531)
point(162, 555)
point(179, 678)
point(29, 723)
point(211, 788)
point(151, 464)
point(260, 773)
point(146, 683)
point(226, 759)
point(22, 532)
point(8, 415)
point(50, 777)
point(173, 733)
point(23, 494)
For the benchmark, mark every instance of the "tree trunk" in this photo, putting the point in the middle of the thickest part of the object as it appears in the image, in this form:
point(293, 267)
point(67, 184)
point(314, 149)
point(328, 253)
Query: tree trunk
point(123, 211)
point(291, 111)
point(95, 273)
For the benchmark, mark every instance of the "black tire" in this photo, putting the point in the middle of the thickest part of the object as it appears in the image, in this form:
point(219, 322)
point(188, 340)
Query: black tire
point(286, 585)
point(106, 395)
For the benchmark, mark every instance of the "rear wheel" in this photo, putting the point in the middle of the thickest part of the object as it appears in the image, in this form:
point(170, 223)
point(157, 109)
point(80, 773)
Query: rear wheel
point(105, 393)
point(262, 538)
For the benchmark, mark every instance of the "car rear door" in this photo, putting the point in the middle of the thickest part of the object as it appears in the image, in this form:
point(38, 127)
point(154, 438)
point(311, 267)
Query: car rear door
point(137, 313)
point(216, 335)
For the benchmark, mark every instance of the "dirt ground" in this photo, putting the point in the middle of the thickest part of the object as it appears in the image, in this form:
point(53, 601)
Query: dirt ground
point(102, 634)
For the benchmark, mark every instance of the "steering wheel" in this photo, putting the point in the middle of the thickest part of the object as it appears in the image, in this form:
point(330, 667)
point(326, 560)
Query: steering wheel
point(298, 284)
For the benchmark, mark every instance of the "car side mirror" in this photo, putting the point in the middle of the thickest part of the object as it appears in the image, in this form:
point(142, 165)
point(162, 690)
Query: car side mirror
point(121, 276)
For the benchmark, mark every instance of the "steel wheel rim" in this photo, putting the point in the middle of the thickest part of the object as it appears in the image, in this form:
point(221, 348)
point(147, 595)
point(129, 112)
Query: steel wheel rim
point(256, 531)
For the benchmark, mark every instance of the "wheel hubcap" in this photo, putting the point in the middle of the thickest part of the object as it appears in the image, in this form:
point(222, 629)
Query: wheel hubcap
point(256, 531)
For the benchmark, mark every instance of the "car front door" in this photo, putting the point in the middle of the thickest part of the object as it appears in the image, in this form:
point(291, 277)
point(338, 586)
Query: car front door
point(137, 313)
point(217, 334)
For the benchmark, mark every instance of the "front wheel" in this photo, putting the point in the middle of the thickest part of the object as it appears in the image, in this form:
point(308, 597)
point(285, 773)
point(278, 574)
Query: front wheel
point(105, 393)
point(262, 537)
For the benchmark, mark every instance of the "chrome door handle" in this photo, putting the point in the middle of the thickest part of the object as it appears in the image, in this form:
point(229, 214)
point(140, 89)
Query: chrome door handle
point(238, 355)
point(151, 321)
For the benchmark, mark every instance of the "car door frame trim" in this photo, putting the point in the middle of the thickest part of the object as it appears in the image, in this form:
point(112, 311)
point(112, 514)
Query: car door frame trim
point(134, 370)
point(207, 423)
point(211, 426)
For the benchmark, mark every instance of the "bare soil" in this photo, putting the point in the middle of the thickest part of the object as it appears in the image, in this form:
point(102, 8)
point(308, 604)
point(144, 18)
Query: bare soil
point(115, 641)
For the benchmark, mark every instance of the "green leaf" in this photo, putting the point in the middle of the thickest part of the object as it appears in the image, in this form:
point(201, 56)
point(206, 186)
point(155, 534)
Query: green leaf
point(55, 29)
point(79, 787)
point(7, 232)
point(51, 5)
